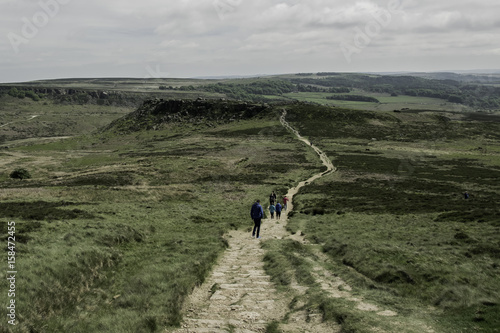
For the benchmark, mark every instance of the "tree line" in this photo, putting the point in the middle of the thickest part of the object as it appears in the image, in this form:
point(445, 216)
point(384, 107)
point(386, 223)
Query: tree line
point(20, 93)
point(354, 98)
point(256, 91)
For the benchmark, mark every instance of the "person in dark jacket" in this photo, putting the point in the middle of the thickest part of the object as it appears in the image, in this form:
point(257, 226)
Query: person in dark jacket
point(257, 213)
point(278, 210)
point(272, 198)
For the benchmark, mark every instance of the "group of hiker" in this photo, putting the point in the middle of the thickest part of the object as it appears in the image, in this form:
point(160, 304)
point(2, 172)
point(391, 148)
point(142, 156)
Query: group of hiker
point(276, 207)
point(257, 212)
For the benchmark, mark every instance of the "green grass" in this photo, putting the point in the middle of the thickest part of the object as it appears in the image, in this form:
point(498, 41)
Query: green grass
point(285, 261)
point(134, 222)
point(52, 120)
point(114, 231)
point(387, 102)
point(394, 220)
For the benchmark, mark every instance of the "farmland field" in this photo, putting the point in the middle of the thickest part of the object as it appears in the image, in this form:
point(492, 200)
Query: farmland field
point(387, 102)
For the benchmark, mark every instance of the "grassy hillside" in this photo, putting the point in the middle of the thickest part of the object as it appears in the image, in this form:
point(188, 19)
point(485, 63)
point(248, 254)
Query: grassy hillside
point(394, 218)
point(29, 119)
point(114, 230)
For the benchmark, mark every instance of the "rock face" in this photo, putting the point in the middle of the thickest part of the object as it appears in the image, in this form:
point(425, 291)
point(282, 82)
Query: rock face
point(153, 114)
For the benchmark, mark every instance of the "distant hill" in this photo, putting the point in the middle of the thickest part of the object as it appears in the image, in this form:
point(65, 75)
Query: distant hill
point(472, 91)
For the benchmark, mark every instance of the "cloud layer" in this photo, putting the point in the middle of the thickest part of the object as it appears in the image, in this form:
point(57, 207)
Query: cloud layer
point(70, 38)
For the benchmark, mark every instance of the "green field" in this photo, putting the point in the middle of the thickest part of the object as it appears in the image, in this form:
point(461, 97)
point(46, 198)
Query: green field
point(387, 102)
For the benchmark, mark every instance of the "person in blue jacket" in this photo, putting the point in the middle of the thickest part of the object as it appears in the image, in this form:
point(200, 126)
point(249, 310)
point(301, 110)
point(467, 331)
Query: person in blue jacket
point(257, 213)
point(278, 210)
point(272, 209)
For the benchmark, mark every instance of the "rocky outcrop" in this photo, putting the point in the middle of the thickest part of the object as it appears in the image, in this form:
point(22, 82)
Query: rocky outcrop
point(154, 114)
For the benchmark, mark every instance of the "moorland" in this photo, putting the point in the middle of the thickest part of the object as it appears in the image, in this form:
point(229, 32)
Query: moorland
point(135, 183)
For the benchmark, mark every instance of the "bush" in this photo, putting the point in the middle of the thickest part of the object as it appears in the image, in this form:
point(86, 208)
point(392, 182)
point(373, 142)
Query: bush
point(31, 94)
point(13, 92)
point(20, 173)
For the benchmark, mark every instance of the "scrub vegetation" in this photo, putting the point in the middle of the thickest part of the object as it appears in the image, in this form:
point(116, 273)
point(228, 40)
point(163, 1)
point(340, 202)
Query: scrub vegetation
point(126, 212)
point(394, 217)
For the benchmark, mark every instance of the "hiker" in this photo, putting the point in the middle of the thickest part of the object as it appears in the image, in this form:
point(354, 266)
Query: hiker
point(272, 209)
point(272, 198)
point(278, 211)
point(257, 213)
point(285, 202)
point(466, 195)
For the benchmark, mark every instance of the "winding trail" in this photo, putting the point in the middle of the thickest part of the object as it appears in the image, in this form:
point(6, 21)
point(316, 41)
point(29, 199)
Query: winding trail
point(326, 161)
point(238, 296)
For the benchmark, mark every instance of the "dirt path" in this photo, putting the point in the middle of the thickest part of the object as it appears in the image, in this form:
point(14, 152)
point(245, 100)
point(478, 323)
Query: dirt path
point(326, 161)
point(17, 121)
point(238, 296)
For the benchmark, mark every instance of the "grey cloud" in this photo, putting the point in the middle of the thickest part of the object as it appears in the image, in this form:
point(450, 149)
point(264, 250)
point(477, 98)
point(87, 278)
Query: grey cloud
point(190, 37)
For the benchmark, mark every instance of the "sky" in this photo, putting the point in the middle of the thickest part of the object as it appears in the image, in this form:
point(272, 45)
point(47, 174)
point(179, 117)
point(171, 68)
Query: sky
point(49, 39)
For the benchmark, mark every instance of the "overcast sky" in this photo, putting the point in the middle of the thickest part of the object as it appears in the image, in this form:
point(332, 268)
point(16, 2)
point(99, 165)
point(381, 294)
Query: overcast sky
point(44, 39)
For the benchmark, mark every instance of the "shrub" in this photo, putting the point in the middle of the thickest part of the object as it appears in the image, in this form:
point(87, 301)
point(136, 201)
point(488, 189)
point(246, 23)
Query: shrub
point(20, 173)
point(13, 92)
point(31, 94)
